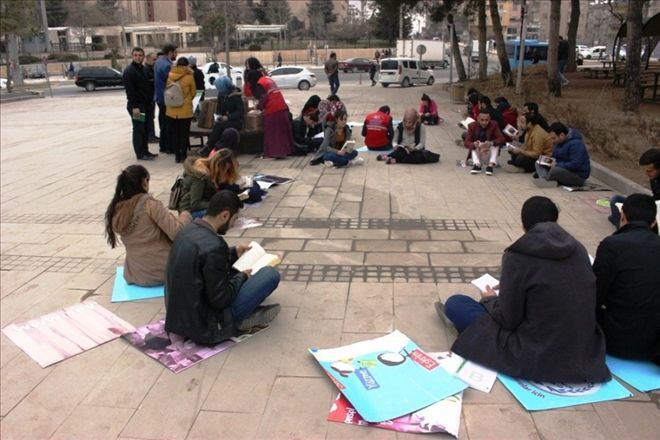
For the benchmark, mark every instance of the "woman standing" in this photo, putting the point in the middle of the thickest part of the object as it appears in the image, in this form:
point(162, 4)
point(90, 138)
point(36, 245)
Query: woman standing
point(181, 116)
point(145, 226)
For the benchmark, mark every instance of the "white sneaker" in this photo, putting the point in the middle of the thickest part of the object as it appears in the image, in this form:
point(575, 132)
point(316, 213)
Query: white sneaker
point(357, 161)
point(329, 164)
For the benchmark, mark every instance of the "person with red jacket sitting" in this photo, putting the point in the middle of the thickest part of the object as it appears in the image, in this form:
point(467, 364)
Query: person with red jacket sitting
point(428, 111)
point(378, 130)
point(509, 114)
point(484, 139)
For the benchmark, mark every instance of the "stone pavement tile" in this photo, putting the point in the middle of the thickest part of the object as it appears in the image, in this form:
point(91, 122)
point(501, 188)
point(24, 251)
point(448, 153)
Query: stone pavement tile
point(10, 280)
point(289, 294)
point(498, 422)
point(346, 210)
point(341, 258)
point(445, 290)
point(87, 281)
point(410, 234)
point(318, 206)
point(381, 245)
point(354, 194)
point(452, 235)
point(299, 233)
point(465, 260)
point(8, 351)
point(282, 244)
point(247, 377)
point(45, 250)
point(370, 308)
point(89, 246)
point(285, 212)
point(490, 234)
point(498, 395)
point(330, 178)
point(297, 409)
point(93, 422)
point(305, 334)
point(375, 203)
point(324, 301)
point(299, 188)
point(342, 431)
point(396, 259)
point(293, 202)
point(362, 234)
point(6, 247)
point(436, 246)
point(329, 245)
point(415, 316)
point(26, 237)
point(225, 425)
point(17, 378)
point(76, 229)
point(558, 424)
point(487, 247)
point(328, 191)
point(634, 420)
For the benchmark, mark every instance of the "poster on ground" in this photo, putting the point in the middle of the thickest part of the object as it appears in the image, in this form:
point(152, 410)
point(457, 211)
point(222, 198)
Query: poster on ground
point(641, 375)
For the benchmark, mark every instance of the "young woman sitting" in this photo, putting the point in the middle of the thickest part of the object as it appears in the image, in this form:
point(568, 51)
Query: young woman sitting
point(145, 226)
point(428, 110)
point(229, 177)
point(199, 177)
point(331, 151)
point(409, 139)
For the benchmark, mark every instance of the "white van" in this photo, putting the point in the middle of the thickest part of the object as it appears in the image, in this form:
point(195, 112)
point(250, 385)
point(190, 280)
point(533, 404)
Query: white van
point(404, 71)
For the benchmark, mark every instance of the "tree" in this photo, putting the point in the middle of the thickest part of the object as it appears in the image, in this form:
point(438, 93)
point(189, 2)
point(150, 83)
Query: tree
point(633, 92)
point(554, 84)
point(483, 55)
point(320, 13)
point(57, 12)
point(109, 12)
point(505, 67)
point(17, 19)
point(572, 35)
point(386, 17)
point(440, 12)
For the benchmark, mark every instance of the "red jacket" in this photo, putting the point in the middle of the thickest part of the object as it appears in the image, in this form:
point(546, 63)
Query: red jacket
point(274, 101)
point(377, 129)
point(510, 116)
point(493, 134)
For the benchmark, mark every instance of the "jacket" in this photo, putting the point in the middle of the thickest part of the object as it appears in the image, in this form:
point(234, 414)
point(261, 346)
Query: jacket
point(542, 326)
point(329, 141)
point(628, 285)
point(493, 134)
point(509, 114)
point(197, 187)
point(201, 285)
point(655, 188)
point(146, 229)
point(198, 76)
point(537, 142)
point(433, 110)
point(137, 86)
point(302, 133)
point(149, 71)
point(572, 154)
point(231, 105)
point(162, 68)
point(271, 99)
point(184, 76)
point(416, 141)
point(378, 130)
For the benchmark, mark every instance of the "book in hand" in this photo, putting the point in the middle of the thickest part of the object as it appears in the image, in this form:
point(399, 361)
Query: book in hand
point(486, 280)
point(465, 122)
point(546, 161)
point(510, 130)
point(140, 118)
point(255, 259)
point(348, 147)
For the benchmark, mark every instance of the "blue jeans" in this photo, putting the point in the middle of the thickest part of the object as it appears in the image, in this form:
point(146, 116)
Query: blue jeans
point(338, 160)
point(198, 214)
point(462, 310)
point(253, 292)
point(615, 218)
point(334, 83)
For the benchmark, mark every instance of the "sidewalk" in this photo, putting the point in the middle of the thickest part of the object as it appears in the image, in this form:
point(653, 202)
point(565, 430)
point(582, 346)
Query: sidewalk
point(365, 250)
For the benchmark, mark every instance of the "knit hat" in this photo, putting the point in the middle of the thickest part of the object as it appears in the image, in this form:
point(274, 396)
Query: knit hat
point(229, 138)
point(192, 61)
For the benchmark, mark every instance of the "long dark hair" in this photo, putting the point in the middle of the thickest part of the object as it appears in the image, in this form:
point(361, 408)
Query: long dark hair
point(129, 183)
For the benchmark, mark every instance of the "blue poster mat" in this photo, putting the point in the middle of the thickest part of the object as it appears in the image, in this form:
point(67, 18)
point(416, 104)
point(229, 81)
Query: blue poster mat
point(641, 375)
point(538, 396)
point(122, 291)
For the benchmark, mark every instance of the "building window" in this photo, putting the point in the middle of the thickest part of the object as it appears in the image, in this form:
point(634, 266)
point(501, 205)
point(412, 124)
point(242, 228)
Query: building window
point(150, 10)
point(181, 10)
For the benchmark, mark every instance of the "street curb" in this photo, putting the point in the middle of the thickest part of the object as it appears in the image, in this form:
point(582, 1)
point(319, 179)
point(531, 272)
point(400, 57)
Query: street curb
point(6, 98)
point(616, 181)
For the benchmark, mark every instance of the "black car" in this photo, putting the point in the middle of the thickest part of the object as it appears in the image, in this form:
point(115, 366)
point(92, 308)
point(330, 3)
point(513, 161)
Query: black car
point(92, 77)
point(355, 65)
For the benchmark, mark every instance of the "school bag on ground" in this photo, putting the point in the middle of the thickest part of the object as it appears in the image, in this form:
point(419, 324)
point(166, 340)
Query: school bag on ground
point(175, 193)
point(173, 94)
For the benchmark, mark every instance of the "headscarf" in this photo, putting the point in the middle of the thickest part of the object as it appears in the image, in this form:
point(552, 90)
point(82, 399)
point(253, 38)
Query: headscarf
point(224, 85)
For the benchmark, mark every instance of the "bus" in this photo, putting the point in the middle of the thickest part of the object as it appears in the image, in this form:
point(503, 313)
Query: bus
point(536, 52)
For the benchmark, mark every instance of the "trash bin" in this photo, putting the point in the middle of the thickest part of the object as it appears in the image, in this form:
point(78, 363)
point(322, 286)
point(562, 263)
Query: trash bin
point(457, 93)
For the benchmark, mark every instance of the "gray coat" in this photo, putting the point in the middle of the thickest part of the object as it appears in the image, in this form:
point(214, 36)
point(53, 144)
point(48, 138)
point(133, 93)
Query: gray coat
point(328, 144)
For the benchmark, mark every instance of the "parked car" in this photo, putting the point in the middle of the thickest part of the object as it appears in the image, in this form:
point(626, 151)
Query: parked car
point(292, 77)
point(98, 76)
point(355, 65)
point(37, 72)
point(595, 53)
point(209, 77)
point(3, 83)
point(404, 71)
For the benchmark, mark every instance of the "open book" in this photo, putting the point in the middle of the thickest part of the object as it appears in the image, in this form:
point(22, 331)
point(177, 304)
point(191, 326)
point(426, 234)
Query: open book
point(510, 130)
point(465, 122)
point(255, 259)
point(348, 147)
point(486, 280)
point(546, 161)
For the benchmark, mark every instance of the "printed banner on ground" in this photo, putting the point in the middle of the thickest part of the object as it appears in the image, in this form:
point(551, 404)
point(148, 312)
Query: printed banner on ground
point(122, 291)
point(387, 377)
point(538, 396)
point(179, 355)
point(477, 377)
point(641, 375)
point(66, 333)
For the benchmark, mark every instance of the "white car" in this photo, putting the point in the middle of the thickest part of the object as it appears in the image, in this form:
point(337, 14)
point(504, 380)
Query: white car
point(236, 74)
point(3, 83)
point(594, 53)
point(404, 71)
point(293, 77)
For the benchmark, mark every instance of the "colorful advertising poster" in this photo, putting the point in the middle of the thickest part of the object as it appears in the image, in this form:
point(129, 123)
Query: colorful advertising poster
point(179, 354)
point(65, 333)
point(387, 377)
point(642, 375)
point(441, 417)
point(477, 377)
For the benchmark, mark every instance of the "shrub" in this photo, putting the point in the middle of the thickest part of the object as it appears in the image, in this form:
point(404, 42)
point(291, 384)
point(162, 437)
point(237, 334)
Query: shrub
point(254, 47)
point(28, 59)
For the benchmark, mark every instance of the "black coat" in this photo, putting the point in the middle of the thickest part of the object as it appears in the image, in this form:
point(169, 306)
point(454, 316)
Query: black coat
point(627, 269)
point(199, 78)
point(200, 285)
point(149, 71)
point(139, 91)
point(542, 326)
point(231, 105)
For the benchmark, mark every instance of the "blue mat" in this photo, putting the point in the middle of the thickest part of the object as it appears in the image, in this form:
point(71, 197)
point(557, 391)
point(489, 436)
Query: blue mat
point(122, 291)
point(641, 375)
point(537, 396)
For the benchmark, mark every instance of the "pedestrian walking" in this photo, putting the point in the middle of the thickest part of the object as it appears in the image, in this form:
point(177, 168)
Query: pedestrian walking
point(372, 74)
point(279, 59)
point(332, 72)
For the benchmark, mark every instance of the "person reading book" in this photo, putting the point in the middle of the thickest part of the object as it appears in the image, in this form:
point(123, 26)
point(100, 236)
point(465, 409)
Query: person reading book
point(331, 151)
point(571, 165)
point(206, 300)
point(542, 325)
point(537, 143)
point(409, 142)
point(483, 140)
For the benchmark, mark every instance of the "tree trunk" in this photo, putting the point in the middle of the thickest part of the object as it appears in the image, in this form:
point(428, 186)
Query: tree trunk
point(456, 50)
point(483, 55)
point(572, 35)
point(505, 67)
point(554, 85)
point(633, 93)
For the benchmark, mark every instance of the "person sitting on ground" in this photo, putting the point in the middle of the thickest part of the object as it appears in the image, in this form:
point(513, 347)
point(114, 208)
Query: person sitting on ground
point(335, 136)
point(201, 177)
point(650, 161)
point(628, 282)
point(311, 105)
point(229, 177)
point(509, 114)
point(305, 127)
point(537, 143)
point(330, 106)
point(145, 226)
point(484, 139)
point(206, 300)
point(378, 130)
point(472, 109)
point(570, 165)
point(542, 326)
point(428, 109)
point(410, 140)
point(532, 108)
point(229, 109)
point(229, 139)
point(485, 104)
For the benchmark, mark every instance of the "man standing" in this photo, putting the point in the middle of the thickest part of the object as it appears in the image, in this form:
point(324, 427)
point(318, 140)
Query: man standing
point(138, 94)
point(570, 165)
point(332, 72)
point(542, 325)
point(628, 282)
point(149, 62)
point(206, 300)
point(279, 59)
point(562, 60)
point(378, 130)
point(161, 72)
point(483, 139)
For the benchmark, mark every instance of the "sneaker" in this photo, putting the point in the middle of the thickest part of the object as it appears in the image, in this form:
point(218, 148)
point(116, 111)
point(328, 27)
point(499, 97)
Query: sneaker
point(151, 154)
point(381, 157)
point(315, 161)
point(476, 169)
point(146, 158)
point(262, 315)
point(357, 161)
point(535, 175)
point(329, 164)
point(489, 170)
point(440, 310)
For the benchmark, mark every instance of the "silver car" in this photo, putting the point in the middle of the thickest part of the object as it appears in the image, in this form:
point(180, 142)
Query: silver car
point(293, 77)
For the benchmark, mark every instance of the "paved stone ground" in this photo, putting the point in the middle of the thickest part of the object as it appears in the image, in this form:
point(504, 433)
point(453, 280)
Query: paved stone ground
point(366, 250)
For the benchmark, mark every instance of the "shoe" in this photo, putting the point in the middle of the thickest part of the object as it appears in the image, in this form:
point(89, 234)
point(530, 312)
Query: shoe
point(381, 157)
point(357, 161)
point(489, 171)
point(440, 310)
point(390, 161)
point(260, 317)
point(153, 140)
point(314, 162)
point(329, 164)
point(565, 83)
point(475, 169)
point(151, 154)
point(146, 158)
point(535, 175)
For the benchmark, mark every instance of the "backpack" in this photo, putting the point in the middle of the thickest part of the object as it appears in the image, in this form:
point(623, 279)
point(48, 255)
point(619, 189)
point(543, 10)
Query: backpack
point(175, 193)
point(173, 94)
